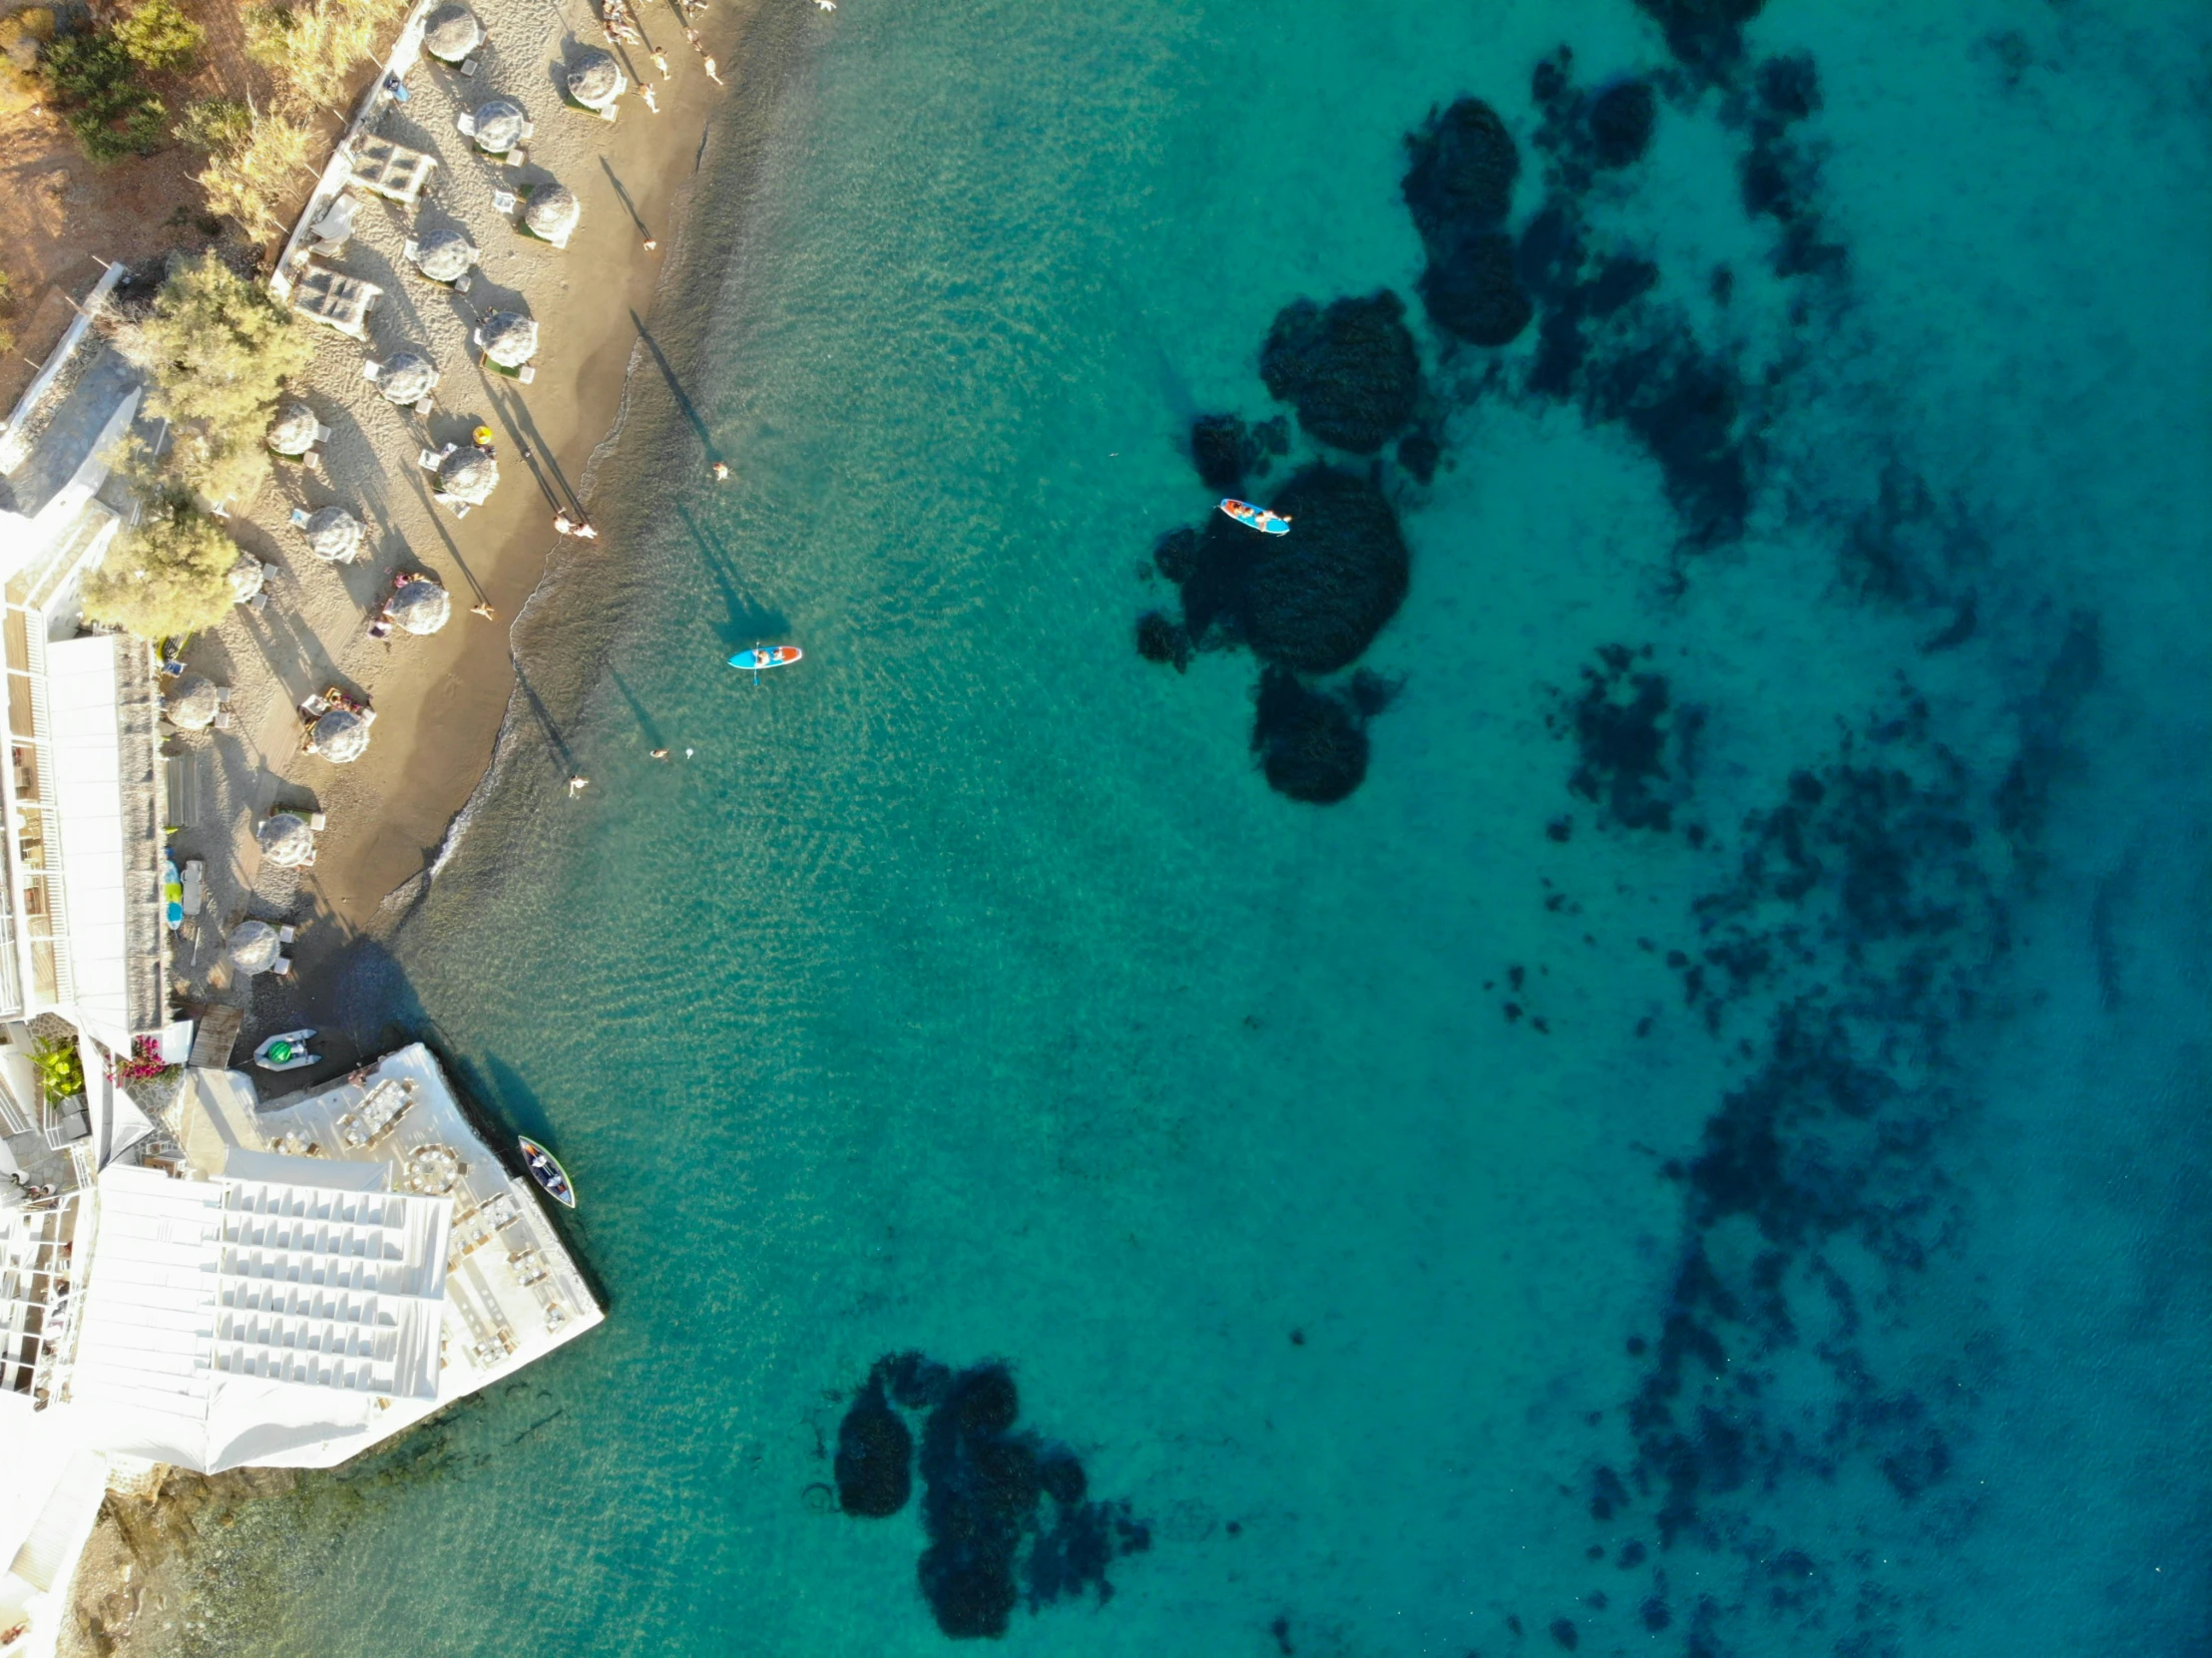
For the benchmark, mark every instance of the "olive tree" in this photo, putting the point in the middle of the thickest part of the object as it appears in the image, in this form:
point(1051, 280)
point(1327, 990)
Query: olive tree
point(218, 350)
point(169, 577)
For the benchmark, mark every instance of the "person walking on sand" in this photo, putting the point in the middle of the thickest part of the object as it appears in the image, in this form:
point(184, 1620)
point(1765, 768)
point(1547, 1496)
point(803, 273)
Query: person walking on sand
point(660, 62)
point(692, 35)
point(645, 90)
point(485, 610)
point(710, 75)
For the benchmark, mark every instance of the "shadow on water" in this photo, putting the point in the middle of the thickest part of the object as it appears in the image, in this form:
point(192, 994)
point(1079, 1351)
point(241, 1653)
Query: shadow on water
point(749, 622)
point(565, 756)
point(675, 387)
point(638, 711)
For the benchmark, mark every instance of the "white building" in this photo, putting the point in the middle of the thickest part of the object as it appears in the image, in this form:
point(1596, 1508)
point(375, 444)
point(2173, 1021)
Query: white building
point(281, 1286)
point(81, 923)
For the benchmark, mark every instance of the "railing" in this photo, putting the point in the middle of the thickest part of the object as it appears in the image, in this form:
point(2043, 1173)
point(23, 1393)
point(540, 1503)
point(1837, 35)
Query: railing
point(48, 876)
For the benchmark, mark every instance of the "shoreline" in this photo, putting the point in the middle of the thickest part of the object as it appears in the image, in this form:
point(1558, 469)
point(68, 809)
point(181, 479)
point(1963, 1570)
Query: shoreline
point(456, 703)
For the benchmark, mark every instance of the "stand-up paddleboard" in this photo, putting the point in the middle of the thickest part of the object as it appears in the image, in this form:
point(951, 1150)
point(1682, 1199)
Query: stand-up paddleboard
point(763, 656)
point(1256, 518)
point(548, 1174)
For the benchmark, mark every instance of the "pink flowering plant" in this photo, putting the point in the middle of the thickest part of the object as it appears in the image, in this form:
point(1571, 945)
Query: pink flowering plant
point(145, 1064)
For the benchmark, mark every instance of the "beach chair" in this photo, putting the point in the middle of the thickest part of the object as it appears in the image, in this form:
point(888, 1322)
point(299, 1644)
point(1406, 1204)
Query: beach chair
point(317, 821)
point(222, 719)
point(285, 935)
point(314, 707)
point(282, 967)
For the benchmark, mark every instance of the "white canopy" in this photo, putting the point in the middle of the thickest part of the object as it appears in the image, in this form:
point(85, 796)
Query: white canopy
point(293, 432)
point(332, 532)
point(286, 839)
point(420, 605)
point(341, 736)
point(254, 946)
point(195, 703)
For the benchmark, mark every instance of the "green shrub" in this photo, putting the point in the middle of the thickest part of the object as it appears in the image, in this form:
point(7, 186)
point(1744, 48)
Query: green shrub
point(161, 38)
point(312, 47)
point(61, 1068)
point(95, 82)
point(169, 575)
point(252, 179)
point(22, 35)
point(218, 126)
point(220, 348)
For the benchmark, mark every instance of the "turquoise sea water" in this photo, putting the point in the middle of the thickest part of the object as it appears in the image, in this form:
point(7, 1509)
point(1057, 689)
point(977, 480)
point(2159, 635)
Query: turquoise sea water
point(1432, 1262)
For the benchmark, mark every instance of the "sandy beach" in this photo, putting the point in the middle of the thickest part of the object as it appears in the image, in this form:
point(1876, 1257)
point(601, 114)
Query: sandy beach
point(441, 700)
point(604, 376)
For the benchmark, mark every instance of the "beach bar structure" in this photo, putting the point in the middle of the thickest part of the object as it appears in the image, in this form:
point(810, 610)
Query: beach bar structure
point(260, 1285)
point(329, 295)
point(390, 169)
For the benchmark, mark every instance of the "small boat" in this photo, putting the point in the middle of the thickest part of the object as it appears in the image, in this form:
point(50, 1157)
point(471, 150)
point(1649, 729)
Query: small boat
point(1255, 518)
point(763, 656)
point(287, 1051)
point(546, 1171)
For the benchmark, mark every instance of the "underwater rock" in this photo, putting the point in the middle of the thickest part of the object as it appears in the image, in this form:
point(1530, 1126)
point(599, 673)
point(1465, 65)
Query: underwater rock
point(1175, 555)
point(915, 1383)
point(1629, 740)
point(874, 1456)
point(1312, 745)
point(1704, 35)
point(1418, 452)
point(1473, 290)
point(1682, 404)
point(1351, 370)
point(1621, 122)
point(1314, 598)
point(984, 1483)
point(1461, 178)
point(1218, 445)
point(981, 1486)
point(1161, 639)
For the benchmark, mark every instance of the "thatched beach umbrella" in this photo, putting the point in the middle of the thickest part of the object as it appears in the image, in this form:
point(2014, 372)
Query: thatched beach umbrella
point(254, 946)
point(293, 430)
point(407, 377)
point(596, 79)
point(509, 338)
point(451, 33)
point(286, 839)
point(333, 533)
point(341, 736)
point(420, 605)
point(445, 255)
point(553, 213)
point(468, 473)
point(247, 577)
point(498, 126)
point(194, 704)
